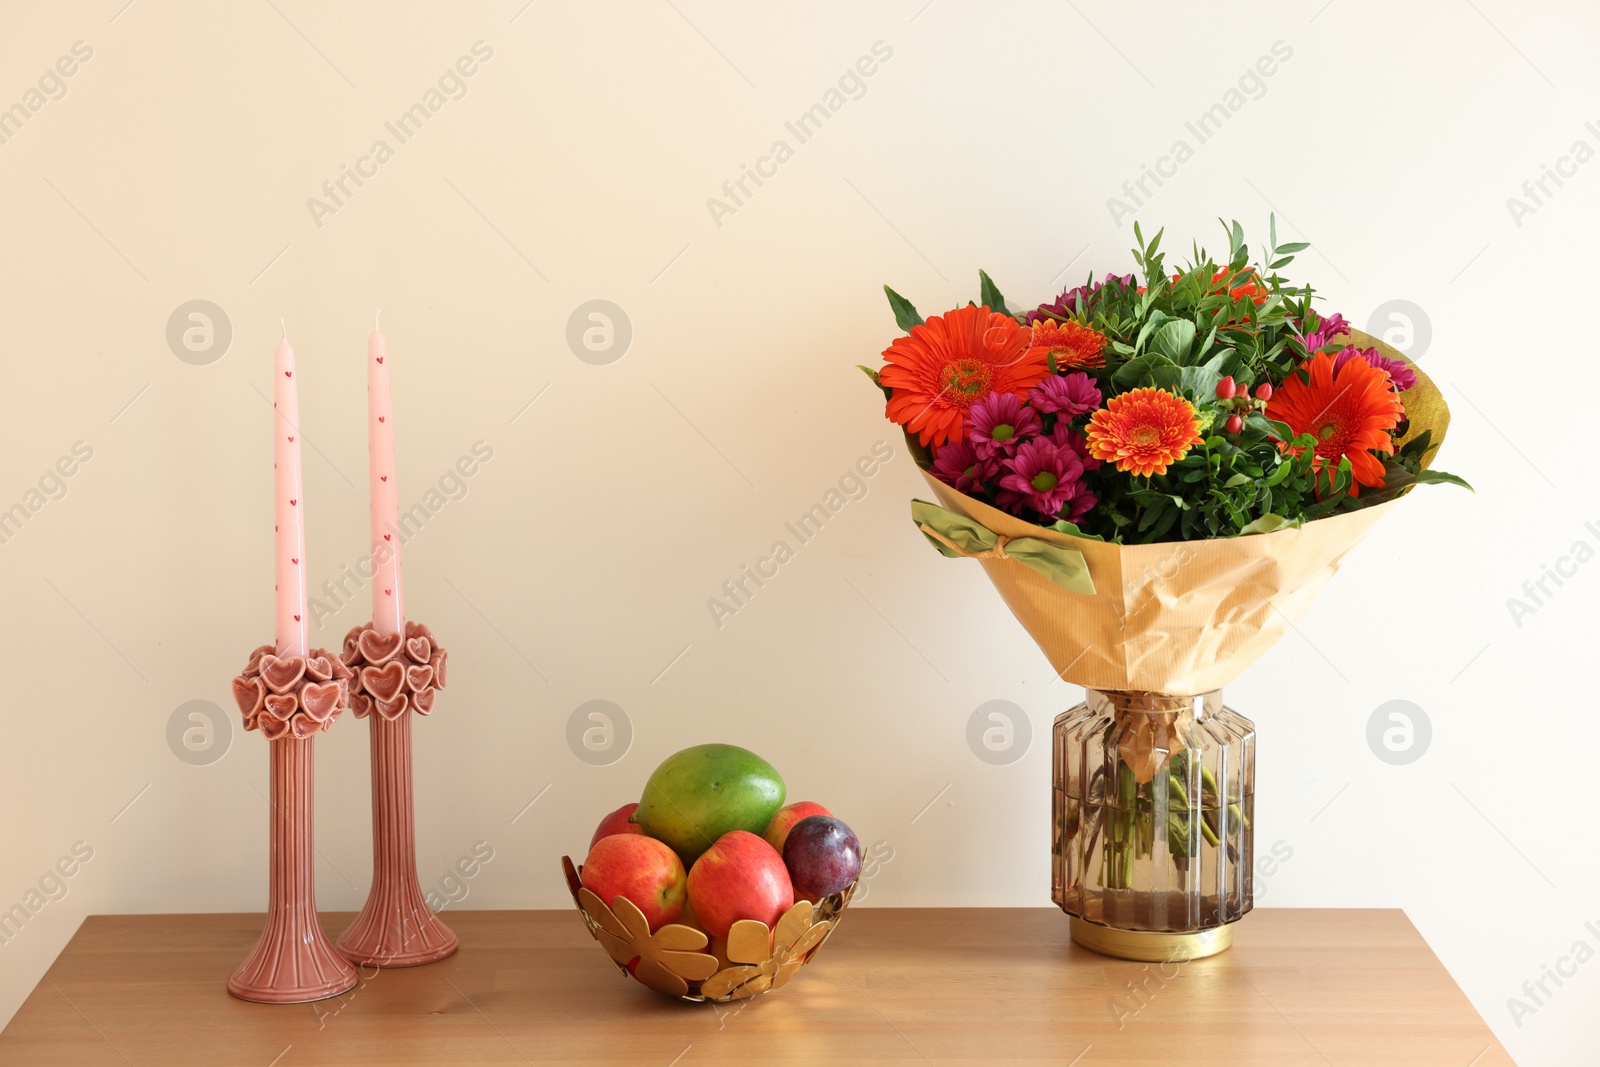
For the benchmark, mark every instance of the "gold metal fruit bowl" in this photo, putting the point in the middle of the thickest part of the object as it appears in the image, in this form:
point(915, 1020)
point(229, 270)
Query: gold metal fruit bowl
point(677, 959)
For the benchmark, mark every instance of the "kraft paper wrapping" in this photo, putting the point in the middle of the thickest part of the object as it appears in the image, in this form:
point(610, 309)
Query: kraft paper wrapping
point(1182, 617)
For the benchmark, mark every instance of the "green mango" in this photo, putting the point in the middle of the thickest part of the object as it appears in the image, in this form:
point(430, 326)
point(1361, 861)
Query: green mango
point(703, 792)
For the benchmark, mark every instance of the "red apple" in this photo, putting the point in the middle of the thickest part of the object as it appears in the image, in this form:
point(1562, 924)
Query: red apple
point(643, 870)
point(617, 823)
point(783, 822)
point(739, 877)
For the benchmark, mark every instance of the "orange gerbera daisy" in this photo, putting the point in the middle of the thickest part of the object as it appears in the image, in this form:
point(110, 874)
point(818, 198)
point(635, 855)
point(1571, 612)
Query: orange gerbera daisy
point(943, 366)
point(1143, 430)
point(1349, 410)
point(1073, 344)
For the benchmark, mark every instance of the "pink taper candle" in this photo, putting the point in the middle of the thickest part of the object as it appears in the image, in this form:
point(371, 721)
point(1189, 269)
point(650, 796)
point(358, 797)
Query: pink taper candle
point(388, 610)
point(290, 543)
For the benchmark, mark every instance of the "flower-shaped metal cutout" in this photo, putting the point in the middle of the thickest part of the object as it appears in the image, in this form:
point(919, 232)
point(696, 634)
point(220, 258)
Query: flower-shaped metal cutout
point(766, 959)
point(666, 960)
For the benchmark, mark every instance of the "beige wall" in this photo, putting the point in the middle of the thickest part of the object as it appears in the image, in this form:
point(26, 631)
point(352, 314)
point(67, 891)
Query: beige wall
point(178, 164)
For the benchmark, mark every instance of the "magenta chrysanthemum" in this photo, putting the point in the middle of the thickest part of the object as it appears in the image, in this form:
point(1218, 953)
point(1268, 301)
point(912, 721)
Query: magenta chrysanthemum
point(1067, 395)
point(1399, 373)
point(998, 422)
point(958, 465)
point(1066, 437)
point(1046, 475)
point(1326, 329)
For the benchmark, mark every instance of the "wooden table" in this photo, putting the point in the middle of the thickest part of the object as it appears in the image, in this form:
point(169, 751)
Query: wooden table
point(894, 986)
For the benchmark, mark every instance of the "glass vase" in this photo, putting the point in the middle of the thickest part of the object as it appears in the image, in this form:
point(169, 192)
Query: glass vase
point(1153, 802)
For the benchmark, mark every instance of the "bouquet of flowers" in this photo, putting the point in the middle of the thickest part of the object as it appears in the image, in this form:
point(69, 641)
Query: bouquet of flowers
point(1159, 472)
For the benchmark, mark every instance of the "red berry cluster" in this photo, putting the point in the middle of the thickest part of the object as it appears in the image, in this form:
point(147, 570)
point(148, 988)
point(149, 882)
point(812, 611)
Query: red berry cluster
point(1239, 399)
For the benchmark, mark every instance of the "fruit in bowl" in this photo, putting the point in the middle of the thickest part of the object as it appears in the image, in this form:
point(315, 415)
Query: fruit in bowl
point(618, 822)
point(739, 877)
point(707, 888)
point(823, 857)
point(778, 829)
point(642, 869)
point(703, 792)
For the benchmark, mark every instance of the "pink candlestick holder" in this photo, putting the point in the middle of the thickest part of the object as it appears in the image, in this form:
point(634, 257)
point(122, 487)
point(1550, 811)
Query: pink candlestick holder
point(291, 699)
point(395, 676)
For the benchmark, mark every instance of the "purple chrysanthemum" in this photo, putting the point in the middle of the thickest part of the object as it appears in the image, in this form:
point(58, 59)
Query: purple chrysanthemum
point(958, 465)
point(1399, 373)
point(1066, 304)
point(999, 422)
point(1047, 476)
point(1068, 395)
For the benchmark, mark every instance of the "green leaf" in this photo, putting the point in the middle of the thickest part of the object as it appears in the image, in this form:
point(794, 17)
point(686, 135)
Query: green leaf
point(1063, 526)
point(870, 373)
point(1266, 524)
point(1431, 477)
point(905, 315)
point(1137, 369)
point(1237, 479)
point(1174, 340)
point(989, 293)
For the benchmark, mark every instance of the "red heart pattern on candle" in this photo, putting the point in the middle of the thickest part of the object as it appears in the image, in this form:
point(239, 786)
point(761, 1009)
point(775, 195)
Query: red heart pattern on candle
point(383, 477)
point(386, 537)
point(378, 649)
point(380, 418)
point(384, 683)
point(380, 359)
point(295, 560)
point(286, 374)
point(293, 502)
point(282, 673)
point(388, 592)
point(291, 439)
point(297, 618)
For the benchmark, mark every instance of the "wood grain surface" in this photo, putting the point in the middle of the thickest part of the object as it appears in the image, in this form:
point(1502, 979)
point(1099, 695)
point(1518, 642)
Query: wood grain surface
point(896, 986)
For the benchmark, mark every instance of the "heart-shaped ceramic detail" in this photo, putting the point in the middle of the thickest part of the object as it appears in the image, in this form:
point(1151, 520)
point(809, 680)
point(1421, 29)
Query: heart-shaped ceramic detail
point(418, 678)
point(319, 668)
point(282, 673)
point(272, 729)
point(437, 663)
point(392, 709)
point(320, 699)
point(248, 693)
point(417, 629)
point(384, 683)
point(280, 706)
point(423, 701)
point(419, 649)
point(303, 726)
point(378, 649)
point(340, 671)
point(361, 704)
point(254, 666)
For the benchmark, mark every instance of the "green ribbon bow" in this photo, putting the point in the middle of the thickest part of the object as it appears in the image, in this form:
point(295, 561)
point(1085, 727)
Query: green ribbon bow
point(961, 538)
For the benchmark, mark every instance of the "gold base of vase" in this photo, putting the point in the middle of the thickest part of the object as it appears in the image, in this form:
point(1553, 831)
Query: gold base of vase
point(1151, 946)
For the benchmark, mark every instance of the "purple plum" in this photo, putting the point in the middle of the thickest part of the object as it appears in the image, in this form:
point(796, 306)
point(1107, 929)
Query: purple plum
point(823, 857)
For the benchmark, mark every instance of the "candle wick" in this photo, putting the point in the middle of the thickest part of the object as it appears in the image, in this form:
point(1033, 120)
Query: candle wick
point(285, 326)
point(375, 315)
